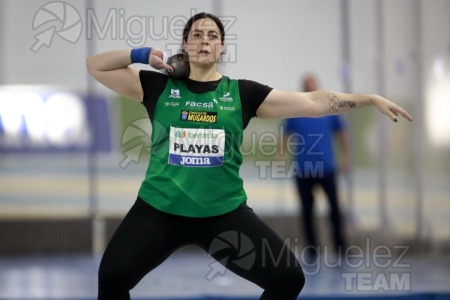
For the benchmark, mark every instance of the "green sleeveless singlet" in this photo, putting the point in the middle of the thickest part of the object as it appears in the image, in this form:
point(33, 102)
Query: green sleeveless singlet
point(195, 157)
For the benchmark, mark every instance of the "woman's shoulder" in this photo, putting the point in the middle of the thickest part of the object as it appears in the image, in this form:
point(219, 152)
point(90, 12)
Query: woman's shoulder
point(249, 84)
point(149, 77)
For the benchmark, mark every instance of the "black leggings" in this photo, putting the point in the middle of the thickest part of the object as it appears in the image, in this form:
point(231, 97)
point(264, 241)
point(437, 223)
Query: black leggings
point(239, 240)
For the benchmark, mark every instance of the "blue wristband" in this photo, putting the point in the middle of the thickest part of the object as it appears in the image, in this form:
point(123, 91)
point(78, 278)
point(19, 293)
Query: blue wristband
point(140, 55)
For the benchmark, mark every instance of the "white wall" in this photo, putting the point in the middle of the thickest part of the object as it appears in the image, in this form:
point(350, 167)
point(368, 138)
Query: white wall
point(61, 64)
point(276, 41)
point(280, 40)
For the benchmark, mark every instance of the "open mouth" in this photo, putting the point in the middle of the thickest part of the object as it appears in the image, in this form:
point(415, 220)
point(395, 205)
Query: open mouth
point(203, 52)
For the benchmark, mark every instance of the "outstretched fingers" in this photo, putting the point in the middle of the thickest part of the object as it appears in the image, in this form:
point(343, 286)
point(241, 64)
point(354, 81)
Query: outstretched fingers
point(391, 109)
point(395, 110)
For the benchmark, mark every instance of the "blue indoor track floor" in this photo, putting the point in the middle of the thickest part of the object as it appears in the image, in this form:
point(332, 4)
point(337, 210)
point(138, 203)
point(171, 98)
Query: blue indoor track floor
point(191, 274)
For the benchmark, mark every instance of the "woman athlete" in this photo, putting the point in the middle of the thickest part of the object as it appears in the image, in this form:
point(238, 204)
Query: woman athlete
point(192, 192)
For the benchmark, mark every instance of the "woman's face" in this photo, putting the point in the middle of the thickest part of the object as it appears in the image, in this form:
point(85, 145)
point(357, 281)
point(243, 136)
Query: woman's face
point(203, 43)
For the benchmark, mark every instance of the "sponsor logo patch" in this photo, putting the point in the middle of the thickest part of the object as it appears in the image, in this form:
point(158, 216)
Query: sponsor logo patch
point(198, 116)
point(175, 94)
point(226, 97)
point(207, 105)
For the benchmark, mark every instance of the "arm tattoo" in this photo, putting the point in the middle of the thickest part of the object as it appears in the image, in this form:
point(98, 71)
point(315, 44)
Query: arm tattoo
point(337, 104)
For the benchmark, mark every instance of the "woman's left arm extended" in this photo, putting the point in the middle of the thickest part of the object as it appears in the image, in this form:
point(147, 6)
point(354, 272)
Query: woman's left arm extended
point(281, 104)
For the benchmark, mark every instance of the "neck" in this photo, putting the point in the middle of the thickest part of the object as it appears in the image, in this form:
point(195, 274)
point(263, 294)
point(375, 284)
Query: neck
point(204, 73)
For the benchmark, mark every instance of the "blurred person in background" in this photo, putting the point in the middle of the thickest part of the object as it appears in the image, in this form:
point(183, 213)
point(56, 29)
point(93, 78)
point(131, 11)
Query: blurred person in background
point(317, 167)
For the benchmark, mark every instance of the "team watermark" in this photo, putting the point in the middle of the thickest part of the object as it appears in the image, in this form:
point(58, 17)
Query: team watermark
point(135, 142)
point(363, 268)
point(230, 249)
point(282, 169)
point(59, 19)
